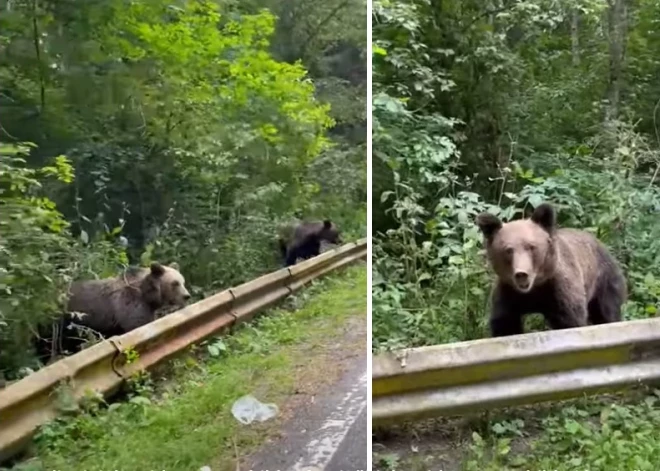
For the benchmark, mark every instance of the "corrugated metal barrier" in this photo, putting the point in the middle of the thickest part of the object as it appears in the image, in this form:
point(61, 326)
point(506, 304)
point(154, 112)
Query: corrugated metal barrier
point(467, 377)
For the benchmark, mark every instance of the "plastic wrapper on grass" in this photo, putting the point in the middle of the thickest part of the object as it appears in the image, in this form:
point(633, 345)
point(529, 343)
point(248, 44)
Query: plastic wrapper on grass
point(248, 409)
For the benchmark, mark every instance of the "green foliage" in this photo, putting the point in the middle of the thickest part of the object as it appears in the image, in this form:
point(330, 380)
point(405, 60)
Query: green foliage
point(188, 139)
point(481, 106)
point(37, 255)
point(577, 437)
point(499, 106)
point(388, 462)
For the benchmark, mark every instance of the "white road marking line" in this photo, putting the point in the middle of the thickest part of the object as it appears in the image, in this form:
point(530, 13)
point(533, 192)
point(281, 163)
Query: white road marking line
point(327, 439)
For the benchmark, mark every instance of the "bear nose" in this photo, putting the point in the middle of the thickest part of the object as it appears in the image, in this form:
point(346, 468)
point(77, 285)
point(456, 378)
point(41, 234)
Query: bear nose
point(521, 277)
point(186, 296)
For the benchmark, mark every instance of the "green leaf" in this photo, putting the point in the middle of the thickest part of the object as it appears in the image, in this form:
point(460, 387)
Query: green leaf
point(140, 400)
point(535, 200)
point(572, 427)
point(499, 429)
point(385, 195)
point(424, 276)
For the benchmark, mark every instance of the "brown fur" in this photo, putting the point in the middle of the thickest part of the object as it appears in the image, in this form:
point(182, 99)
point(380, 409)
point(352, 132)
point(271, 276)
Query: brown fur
point(114, 306)
point(304, 239)
point(123, 303)
point(565, 274)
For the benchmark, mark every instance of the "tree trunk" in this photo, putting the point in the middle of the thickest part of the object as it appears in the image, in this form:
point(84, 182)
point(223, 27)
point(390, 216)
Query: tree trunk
point(287, 49)
point(575, 36)
point(617, 31)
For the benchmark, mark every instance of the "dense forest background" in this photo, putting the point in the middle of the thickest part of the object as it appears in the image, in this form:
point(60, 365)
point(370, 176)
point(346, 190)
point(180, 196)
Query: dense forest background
point(500, 105)
point(178, 130)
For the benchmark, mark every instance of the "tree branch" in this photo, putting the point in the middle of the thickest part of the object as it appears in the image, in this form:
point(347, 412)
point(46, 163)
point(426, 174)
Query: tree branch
point(37, 48)
point(487, 13)
point(321, 24)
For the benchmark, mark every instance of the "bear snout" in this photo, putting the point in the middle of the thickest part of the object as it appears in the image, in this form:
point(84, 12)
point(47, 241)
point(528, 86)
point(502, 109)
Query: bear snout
point(521, 277)
point(184, 296)
point(523, 280)
point(181, 297)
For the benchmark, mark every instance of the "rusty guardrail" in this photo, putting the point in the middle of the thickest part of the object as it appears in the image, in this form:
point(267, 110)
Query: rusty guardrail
point(31, 402)
point(466, 377)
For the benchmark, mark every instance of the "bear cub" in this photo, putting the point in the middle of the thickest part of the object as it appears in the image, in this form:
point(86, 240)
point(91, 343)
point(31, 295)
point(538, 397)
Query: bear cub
point(567, 275)
point(303, 240)
point(115, 306)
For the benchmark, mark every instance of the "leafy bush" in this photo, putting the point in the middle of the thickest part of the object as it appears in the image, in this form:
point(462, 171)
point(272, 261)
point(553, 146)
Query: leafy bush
point(191, 129)
point(470, 119)
point(38, 256)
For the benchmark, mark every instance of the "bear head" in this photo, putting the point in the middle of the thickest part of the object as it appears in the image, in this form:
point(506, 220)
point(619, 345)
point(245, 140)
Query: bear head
point(330, 233)
point(164, 285)
point(521, 252)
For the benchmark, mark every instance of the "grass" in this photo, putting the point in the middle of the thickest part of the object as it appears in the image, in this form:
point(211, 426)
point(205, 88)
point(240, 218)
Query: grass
point(618, 432)
point(184, 422)
point(588, 435)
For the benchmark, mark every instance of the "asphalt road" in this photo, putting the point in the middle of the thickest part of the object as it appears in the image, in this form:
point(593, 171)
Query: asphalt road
point(329, 435)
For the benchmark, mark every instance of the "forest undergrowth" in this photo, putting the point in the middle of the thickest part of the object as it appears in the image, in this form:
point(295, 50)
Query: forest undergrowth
point(487, 107)
point(499, 106)
point(173, 131)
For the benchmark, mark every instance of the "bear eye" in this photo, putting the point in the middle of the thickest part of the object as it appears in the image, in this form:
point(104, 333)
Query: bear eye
point(509, 251)
point(175, 284)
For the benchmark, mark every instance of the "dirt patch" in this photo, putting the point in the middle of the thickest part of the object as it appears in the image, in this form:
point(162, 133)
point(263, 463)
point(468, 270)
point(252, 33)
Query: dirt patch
point(431, 444)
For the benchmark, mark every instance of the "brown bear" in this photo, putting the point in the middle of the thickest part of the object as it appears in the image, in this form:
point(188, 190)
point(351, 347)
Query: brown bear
point(114, 306)
point(565, 274)
point(303, 240)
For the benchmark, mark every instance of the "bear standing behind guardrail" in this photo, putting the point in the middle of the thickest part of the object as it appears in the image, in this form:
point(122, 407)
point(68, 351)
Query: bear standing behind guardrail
point(304, 239)
point(565, 274)
point(114, 306)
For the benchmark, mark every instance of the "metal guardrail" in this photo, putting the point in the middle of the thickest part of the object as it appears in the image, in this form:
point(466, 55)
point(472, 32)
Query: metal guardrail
point(467, 377)
point(31, 402)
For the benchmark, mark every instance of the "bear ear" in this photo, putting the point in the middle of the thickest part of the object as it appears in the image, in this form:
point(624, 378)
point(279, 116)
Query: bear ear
point(175, 266)
point(151, 292)
point(327, 224)
point(488, 224)
point(157, 269)
point(544, 215)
